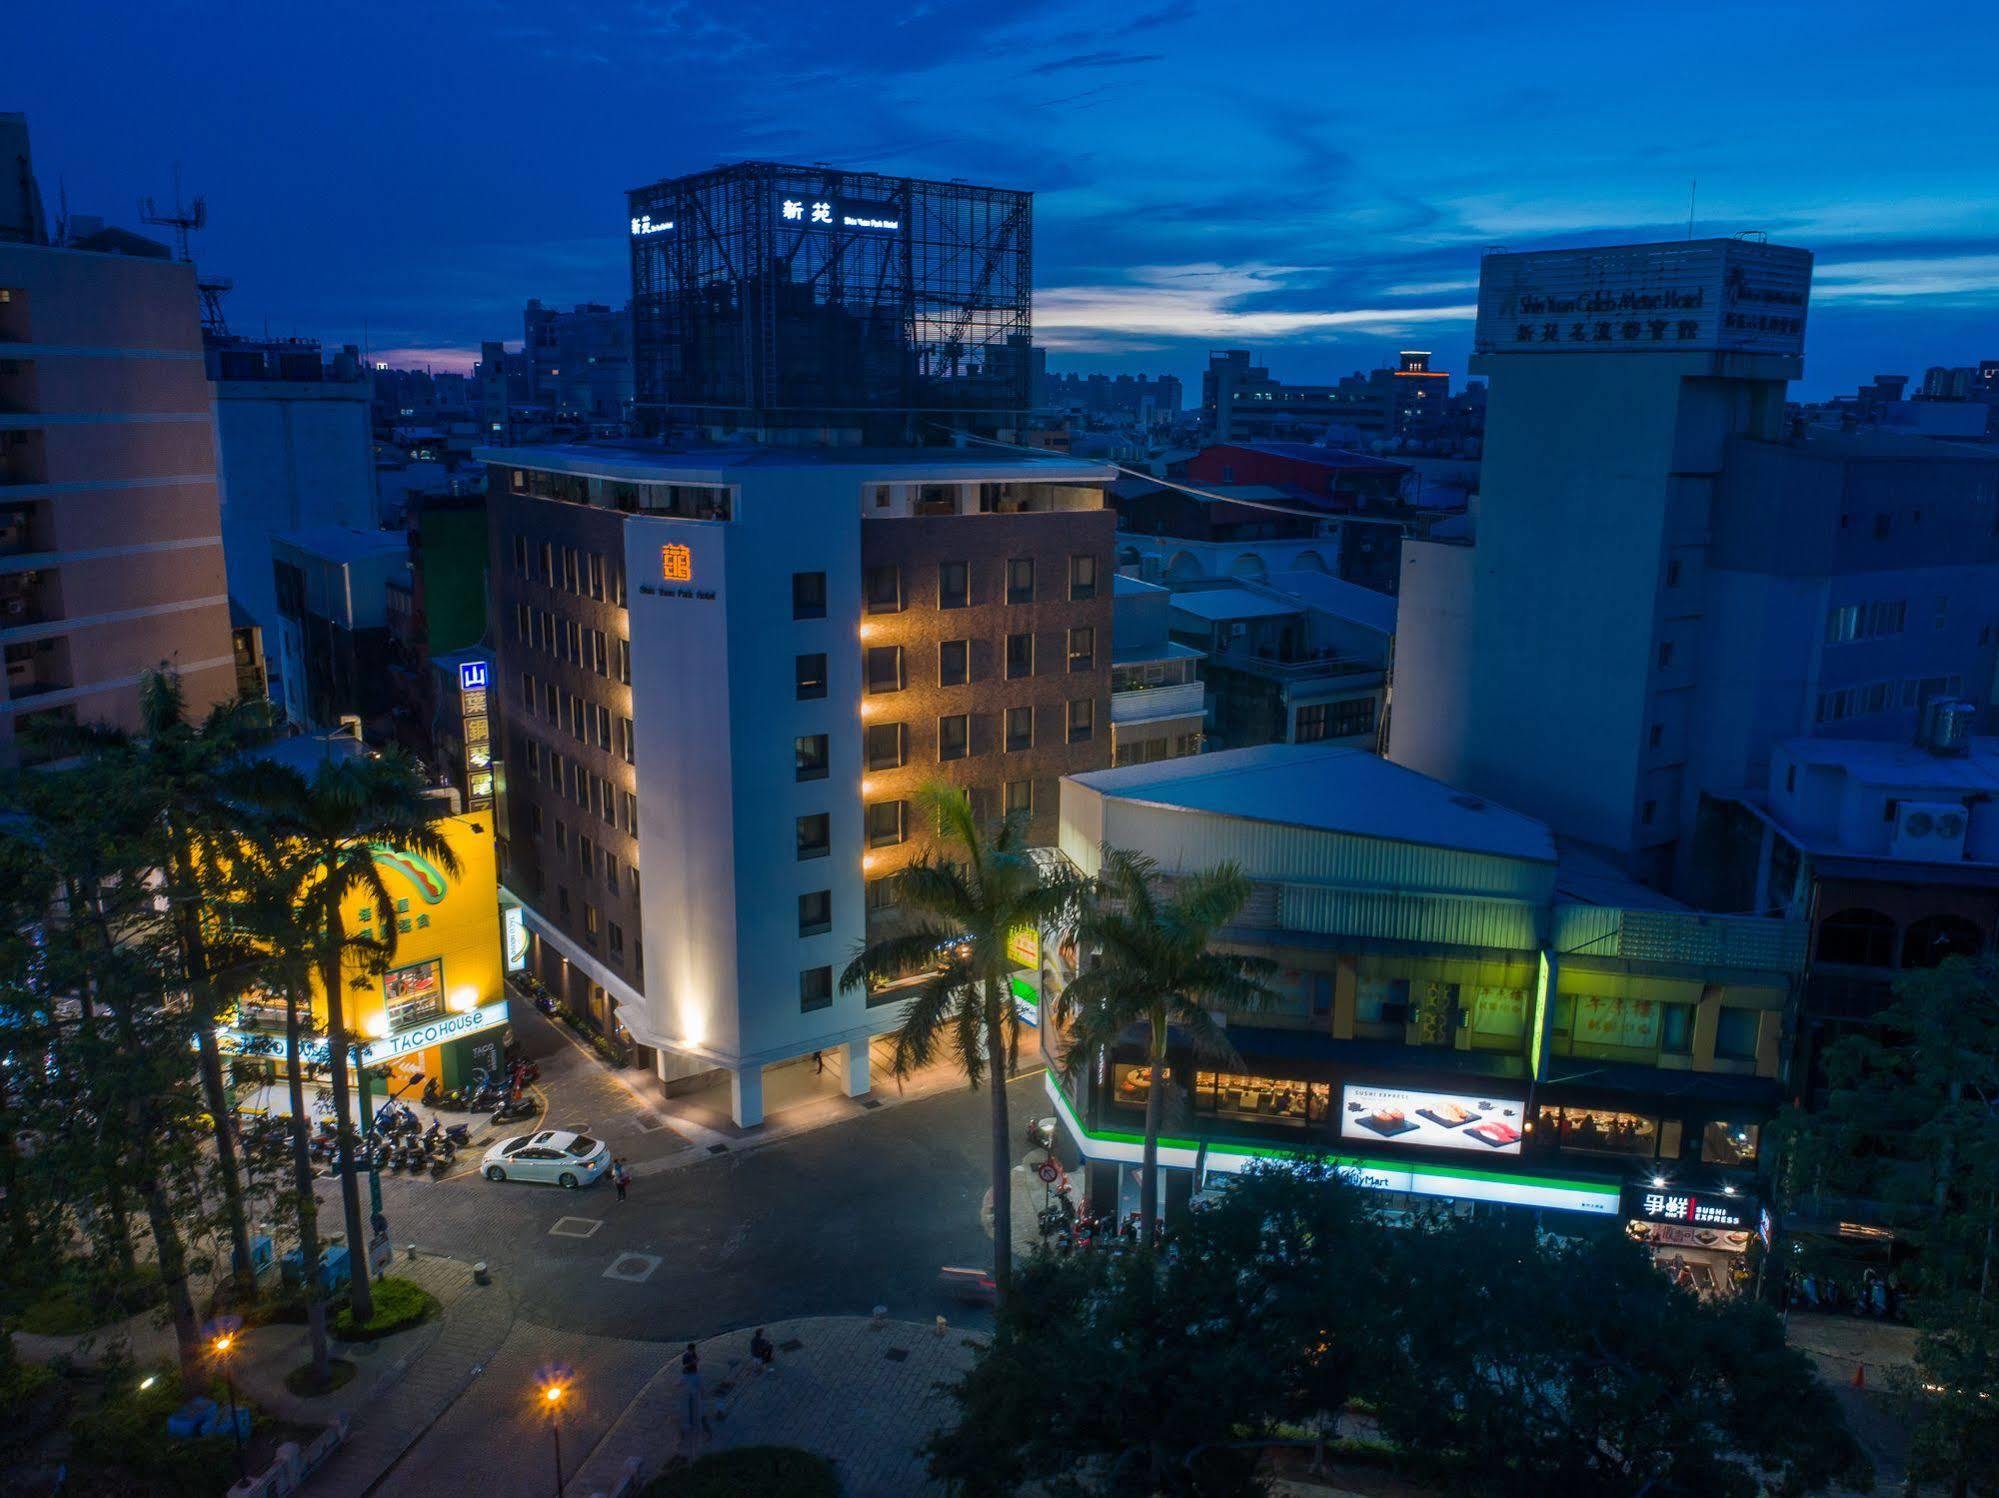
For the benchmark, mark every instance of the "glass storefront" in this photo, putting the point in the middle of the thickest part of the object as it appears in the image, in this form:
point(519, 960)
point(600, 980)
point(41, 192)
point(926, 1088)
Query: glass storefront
point(1600, 1131)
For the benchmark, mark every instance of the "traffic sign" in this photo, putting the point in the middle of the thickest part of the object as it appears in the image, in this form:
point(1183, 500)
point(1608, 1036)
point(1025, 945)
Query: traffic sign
point(1049, 1172)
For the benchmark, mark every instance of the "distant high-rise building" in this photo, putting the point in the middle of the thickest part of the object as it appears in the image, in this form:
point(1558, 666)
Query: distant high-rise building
point(111, 557)
point(579, 362)
point(1409, 406)
point(1147, 398)
point(808, 304)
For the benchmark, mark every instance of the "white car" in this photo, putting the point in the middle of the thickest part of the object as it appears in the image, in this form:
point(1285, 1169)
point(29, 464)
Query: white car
point(569, 1160)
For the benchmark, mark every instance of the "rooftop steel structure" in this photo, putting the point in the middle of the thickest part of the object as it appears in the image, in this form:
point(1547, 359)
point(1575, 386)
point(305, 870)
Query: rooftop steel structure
point(766, 295)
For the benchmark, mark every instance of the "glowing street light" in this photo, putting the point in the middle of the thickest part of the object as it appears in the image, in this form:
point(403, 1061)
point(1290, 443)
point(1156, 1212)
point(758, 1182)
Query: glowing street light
point(222, 1344)
point(553, 1392)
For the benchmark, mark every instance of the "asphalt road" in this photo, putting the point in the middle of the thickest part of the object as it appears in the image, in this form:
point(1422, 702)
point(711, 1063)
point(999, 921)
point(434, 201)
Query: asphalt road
point(834, 1221)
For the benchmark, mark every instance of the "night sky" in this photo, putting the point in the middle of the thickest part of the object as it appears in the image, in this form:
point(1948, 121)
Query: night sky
point(1314, 181)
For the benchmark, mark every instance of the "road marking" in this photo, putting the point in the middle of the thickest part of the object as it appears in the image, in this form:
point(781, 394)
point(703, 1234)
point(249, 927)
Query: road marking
point(634, 1268)
point(575, 1227)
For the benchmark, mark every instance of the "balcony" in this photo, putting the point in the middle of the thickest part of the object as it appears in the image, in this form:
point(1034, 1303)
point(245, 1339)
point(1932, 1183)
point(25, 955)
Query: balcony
point(1184, 699)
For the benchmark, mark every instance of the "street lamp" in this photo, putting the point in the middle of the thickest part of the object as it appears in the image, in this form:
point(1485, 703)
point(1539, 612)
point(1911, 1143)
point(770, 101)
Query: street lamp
point(551, 1399)
point(225, 1343)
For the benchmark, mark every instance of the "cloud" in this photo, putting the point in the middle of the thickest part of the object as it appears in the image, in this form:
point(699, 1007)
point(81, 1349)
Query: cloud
point(1975, 276)
point(1165, 303)
point(1095, 60)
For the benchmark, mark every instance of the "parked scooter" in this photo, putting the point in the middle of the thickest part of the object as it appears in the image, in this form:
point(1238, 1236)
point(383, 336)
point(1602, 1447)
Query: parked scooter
point(513, 1108)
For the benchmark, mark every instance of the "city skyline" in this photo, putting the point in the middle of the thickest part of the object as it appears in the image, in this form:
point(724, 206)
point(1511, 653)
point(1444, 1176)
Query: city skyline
point(1323, 227)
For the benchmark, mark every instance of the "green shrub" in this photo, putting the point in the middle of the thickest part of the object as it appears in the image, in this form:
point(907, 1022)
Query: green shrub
point(126, 1434)
point(767, 1471)
point(85, 1297)
point(399, 1305)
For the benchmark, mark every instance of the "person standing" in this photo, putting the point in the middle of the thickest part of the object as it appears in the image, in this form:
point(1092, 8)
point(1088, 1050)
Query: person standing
point(620, 1176)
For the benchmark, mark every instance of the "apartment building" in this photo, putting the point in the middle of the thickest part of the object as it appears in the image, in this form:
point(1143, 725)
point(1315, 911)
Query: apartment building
point(110, 536)
point(723, 674)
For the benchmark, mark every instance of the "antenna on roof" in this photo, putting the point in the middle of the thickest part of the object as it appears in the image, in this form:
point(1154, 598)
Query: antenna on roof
point(183, 219)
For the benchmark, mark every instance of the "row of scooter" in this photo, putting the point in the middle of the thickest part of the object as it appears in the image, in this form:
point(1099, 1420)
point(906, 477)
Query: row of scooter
point(399, 1141)
point(501, 1093)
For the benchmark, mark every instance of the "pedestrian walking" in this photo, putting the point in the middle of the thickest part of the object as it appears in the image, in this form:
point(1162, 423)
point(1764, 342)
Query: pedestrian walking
point(620, 1176)
point(818, 1062)
point(763, 1356)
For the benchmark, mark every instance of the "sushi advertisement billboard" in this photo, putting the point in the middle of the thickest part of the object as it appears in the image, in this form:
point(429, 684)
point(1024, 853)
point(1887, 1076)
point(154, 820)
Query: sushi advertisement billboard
point(1436, 1120)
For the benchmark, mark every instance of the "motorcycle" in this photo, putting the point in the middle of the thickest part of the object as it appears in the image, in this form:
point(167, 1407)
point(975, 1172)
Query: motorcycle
point(513, 1108)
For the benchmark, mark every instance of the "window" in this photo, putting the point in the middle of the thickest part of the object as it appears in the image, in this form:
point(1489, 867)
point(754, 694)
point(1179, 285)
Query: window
point(885, 668)
point(596, 577)
point(954, 737)
point(1334, 720)
point(1019, 656)
point(1020, 580)
point(881, 589)
point(610, 871)
point(1665, 654)
point(815, 989)
point(617, 939)
point(625, 662)
point(1600, 1131)
point(1082, 720)
point(521, 556)
point(561, 836)
point(1019, 729)
point(1651, 810)
point(1735, 1034)
point(887, 823)
point(887, 746)
point(954, 585)
point(815, 912)
point(954, 663)
point(811, 676)
point(589, 921)
point(1656, 735)
point(1676, 1029)
point(815, 836)
point(628, 749)
point(1265, 1100)
point(881, 493)
point(1082, 578)
point(1083, 649)
point(1020, 798)
point(810, 753)
point(808, 595)
point(1673, 573)
point(885, 893)
point(1866, 621)
point(1730, 1143)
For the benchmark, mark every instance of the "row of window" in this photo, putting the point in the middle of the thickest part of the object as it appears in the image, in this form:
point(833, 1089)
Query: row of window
point(886, 745)
point(1867, 938)
point(580, 785)
point(565, 639)
point(1335, 720)
point(1845, 623)
point(595, 926)
point(887, 823)
point(583, 573)
point(587, 856)
point(585, 721)
point(1858, 701)
point(882, 590)
point(887, 666)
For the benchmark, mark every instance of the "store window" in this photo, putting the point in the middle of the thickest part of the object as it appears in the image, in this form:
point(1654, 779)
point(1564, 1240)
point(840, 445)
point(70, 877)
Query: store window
point(1131, 1083)
point(1730, 1143)
point(413, 995)
point(1600, 1131)
point(1269, 1100)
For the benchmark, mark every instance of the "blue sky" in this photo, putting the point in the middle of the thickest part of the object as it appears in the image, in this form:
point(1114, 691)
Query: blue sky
point(1313, 181)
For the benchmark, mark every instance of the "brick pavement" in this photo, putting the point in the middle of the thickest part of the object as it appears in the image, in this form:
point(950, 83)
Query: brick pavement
point(400, 1409)
point(863, 1396)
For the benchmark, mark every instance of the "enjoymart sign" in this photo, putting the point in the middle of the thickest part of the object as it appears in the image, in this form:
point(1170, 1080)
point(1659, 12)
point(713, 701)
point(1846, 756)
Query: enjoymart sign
point(1701, 296)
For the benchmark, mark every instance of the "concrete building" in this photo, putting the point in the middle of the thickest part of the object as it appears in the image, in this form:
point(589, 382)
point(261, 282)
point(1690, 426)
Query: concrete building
point(1300, 658)
point(1618, 378)
point(579, 362)
point(295, 440)
point(1470, 1011)
point(1146, 399)
point(1889, 850)
point(722, 676)
point(1410, 406)
point(111, 559)
point(1159, 703)
point(333, 644)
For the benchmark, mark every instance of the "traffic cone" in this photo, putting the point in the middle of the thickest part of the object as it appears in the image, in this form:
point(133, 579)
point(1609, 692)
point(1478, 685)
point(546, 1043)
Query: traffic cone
point(1859, 1375)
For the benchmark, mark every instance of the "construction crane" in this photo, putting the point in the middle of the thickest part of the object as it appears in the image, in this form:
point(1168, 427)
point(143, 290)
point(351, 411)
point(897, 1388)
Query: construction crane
point(184, 219)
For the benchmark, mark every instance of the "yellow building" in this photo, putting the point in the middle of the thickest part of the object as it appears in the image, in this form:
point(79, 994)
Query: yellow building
point(440, 1008)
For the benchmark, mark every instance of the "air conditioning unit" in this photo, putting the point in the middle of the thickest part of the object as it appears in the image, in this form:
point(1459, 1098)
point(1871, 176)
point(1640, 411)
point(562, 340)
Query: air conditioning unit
point(1929, 830)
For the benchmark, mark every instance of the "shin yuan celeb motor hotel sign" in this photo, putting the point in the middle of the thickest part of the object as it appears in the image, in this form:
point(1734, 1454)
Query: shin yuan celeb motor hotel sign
point(1700, 296)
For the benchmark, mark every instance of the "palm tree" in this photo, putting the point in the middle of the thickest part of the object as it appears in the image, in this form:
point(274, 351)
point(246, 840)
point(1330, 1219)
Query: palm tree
point(965, 903)
point(1156, 968)
point(337, 823)
point(184, 768)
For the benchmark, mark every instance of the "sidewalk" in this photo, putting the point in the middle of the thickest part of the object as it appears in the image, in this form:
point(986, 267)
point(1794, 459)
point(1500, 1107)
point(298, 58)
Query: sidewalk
point(862, 1396)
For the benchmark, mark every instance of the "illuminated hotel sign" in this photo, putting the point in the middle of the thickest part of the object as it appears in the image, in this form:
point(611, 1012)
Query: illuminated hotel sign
point(676, 563)
point(823, 213)
point(1717, 295)
point(472, 676)
point(646, 224)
